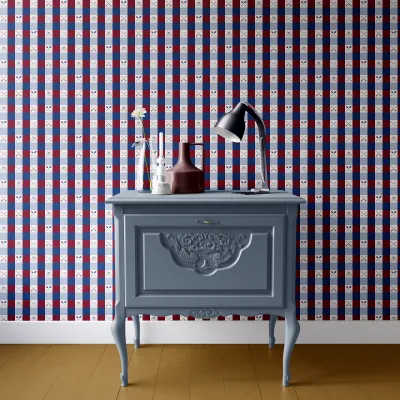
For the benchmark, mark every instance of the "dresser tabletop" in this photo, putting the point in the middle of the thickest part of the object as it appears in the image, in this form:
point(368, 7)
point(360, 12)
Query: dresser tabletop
point(218, 197)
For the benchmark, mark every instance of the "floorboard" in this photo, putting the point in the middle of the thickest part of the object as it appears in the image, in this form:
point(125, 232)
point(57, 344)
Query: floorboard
point(7, 351)
point(381, 390)
point(173, 380)
point(143, 370)
point(267, 364)
point(206, 376)
point(309, 372)
point(346, 391)
point(44, 373)
point(105, 383)
point(72, 381)
point(197, 372)
point(239, 374)
point(17, 367)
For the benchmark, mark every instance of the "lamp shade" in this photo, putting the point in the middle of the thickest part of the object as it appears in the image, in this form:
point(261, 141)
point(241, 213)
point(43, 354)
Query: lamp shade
point(231, 126)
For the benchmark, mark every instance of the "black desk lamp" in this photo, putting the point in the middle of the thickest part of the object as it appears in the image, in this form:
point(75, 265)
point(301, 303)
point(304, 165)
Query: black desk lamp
point(231, 126)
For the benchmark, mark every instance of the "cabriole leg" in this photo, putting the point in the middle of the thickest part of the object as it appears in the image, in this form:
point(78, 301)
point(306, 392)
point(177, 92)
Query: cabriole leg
point(136, 325)
point(118, 331)
point(272, 321)
point(292, 330)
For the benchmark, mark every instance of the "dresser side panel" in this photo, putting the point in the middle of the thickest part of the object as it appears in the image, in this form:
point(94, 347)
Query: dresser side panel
point(119, 239)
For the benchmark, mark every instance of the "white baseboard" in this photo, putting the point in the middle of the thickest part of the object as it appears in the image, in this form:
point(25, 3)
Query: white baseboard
point(179, 332)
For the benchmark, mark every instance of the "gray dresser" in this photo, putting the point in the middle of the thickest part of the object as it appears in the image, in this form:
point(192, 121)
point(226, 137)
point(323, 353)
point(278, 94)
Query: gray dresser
point(205, 255)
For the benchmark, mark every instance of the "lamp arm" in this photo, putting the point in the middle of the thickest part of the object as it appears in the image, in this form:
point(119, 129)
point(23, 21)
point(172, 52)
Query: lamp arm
point(262, 135)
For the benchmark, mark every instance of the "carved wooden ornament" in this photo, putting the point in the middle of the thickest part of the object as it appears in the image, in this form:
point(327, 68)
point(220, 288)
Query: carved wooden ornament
point(205, 253)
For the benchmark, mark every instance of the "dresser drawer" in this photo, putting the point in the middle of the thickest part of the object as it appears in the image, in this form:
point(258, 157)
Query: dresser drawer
point(205, 260)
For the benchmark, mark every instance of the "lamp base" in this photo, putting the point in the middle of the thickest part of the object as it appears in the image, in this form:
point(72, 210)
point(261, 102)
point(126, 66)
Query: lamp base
point(259, 191)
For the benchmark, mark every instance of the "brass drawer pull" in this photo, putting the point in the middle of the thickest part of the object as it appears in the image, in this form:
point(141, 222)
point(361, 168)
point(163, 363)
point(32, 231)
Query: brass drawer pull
point(207, 221)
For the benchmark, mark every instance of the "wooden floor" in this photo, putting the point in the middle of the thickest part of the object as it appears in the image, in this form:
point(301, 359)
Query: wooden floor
point(199, 372)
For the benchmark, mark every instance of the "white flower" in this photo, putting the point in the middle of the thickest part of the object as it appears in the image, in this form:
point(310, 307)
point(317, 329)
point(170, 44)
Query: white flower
point(138, 142)
point(139, 112)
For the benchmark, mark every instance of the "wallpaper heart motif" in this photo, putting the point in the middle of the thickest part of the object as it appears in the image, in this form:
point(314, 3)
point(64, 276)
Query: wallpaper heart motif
point(323, 74)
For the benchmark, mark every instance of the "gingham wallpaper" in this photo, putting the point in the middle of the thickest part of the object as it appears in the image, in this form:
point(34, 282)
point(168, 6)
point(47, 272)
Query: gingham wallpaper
point(324, 75)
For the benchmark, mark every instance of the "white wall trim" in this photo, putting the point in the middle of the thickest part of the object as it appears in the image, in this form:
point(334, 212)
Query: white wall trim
point(168, 332)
